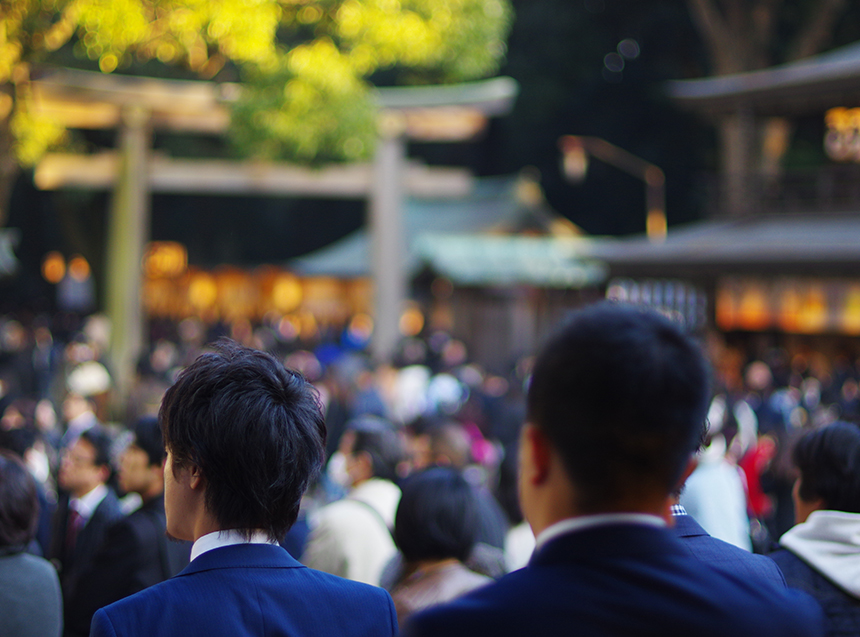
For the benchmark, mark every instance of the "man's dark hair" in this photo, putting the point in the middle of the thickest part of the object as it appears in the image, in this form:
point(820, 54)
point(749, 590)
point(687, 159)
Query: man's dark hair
point(147, 436)
point(621, 393)
point(19, 506)
point(102, 442)
point(254, 429)
point(829, 463)
point(381, 441)
point(437, 517)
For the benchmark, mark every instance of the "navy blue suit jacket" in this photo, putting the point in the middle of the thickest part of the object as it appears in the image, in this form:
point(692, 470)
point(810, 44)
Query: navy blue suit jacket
point(622, 579)
point(723, 555)
point(250, 589)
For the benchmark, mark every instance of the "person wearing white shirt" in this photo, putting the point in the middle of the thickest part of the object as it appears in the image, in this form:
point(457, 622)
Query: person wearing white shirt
point(244, 437)
point(615, 408)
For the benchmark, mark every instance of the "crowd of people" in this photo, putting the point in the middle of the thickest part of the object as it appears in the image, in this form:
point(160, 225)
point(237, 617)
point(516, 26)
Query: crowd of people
point(422, 481)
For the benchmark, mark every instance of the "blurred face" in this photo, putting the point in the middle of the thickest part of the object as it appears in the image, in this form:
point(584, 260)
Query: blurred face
point(136, 475)
point(78, 472)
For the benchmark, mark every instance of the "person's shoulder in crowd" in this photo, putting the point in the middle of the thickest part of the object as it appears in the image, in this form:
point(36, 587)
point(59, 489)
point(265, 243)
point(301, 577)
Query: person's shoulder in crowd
point(293, 594)
point(722, 555)
point(575, 581)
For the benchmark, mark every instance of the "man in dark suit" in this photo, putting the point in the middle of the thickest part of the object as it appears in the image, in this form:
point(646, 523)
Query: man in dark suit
point(87, 506)
point(244, 437)
point(135, 553)
point(615, 407)
point(722, 555)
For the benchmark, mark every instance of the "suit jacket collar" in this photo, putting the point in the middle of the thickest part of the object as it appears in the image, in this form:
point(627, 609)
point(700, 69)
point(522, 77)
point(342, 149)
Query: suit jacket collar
point(242, 556)
point(686, 526)
point(636, 541)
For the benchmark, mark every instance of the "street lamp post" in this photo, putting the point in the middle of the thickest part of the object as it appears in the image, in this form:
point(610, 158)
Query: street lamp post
point(576, 150)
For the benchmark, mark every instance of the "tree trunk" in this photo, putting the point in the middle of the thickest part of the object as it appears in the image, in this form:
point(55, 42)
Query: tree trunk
point(738, 35)
point(9, 168)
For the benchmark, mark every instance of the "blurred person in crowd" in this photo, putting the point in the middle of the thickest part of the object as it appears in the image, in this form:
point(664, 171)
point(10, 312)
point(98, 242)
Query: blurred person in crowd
point(615, 408)
point(715, 494)
point(450, 445)
point(135, 553)
point(86, 507)
point(352, 537)
point(711, 550)
point(22, 441)
point(244, 436)
point(31, 604)
point(79, 415)
point(435, 529)
point(821, 554)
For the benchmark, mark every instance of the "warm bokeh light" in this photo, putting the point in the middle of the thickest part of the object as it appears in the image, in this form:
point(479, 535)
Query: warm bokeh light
point(202, 291)
point(79, 269)
point(286, 293)
point(165, 259)
point(411, 321)
point(53, 267)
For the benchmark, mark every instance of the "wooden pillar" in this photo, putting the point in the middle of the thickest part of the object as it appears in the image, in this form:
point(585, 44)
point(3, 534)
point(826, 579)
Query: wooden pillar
point(128, 231)
point(387, 236)
point(738, 146)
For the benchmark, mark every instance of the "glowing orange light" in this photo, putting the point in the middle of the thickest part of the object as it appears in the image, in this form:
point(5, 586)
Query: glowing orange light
point(411, 322)
point(79, 269)
point(53, 267)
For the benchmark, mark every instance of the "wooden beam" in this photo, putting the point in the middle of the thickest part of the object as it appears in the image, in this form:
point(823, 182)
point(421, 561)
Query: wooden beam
point(193, 176)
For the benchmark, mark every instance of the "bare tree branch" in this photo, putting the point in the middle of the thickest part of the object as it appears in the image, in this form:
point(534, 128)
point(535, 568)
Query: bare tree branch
point(818, 30)
point(718, 37)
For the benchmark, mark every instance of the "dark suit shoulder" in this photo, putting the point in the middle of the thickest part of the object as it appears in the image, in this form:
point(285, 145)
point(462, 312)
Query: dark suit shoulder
point(622, 581)
point(247, 590)
point(722, 555)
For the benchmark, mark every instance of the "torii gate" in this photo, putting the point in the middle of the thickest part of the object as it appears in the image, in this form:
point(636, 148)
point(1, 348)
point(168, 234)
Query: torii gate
point(138, 105)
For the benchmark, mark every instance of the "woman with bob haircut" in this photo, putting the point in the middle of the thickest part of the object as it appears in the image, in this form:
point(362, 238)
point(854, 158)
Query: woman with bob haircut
point(30, 599)
point(821, 554)
point(435, 529)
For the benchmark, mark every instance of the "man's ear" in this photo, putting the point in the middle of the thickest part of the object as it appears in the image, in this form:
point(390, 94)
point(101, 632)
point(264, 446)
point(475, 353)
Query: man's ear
point(195, 477)
point(539, 453)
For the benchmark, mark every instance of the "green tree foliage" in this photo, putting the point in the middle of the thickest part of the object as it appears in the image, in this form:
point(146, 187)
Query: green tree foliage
point(307, 63)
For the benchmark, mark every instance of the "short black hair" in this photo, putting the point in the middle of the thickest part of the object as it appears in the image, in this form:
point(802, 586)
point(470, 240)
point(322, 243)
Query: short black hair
point(621, 393)
point(19, 505)
point(254, 429)
point(437, 516)
point(828, 459)
point(147, 436)
point(381, 440)
point(102, 442)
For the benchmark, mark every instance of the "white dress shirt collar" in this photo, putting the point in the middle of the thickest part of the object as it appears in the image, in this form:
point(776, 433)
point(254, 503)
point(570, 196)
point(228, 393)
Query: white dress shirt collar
point(571, 525)
point(87, 504)
point(229, 537)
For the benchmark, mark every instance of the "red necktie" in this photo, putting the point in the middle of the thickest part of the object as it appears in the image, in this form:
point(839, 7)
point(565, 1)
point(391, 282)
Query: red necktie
point(73, 526)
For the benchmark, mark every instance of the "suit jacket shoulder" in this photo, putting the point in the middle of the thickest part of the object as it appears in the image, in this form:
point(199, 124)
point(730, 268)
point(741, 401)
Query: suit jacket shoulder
point(722, 555)
point(623, 579)
point(250, 589)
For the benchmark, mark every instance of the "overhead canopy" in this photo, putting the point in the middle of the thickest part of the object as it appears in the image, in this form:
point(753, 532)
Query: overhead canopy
point(810, 85)
point(808, 244)
point(459, 239)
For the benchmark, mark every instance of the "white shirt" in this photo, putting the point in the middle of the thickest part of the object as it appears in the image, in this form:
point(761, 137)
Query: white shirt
point(229, 537)
point(580, 523)
point(87, 504)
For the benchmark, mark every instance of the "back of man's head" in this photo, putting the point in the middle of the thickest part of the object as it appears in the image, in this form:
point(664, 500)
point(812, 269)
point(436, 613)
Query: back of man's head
point(254, 430)
point(621, 394)
point(381, 441)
